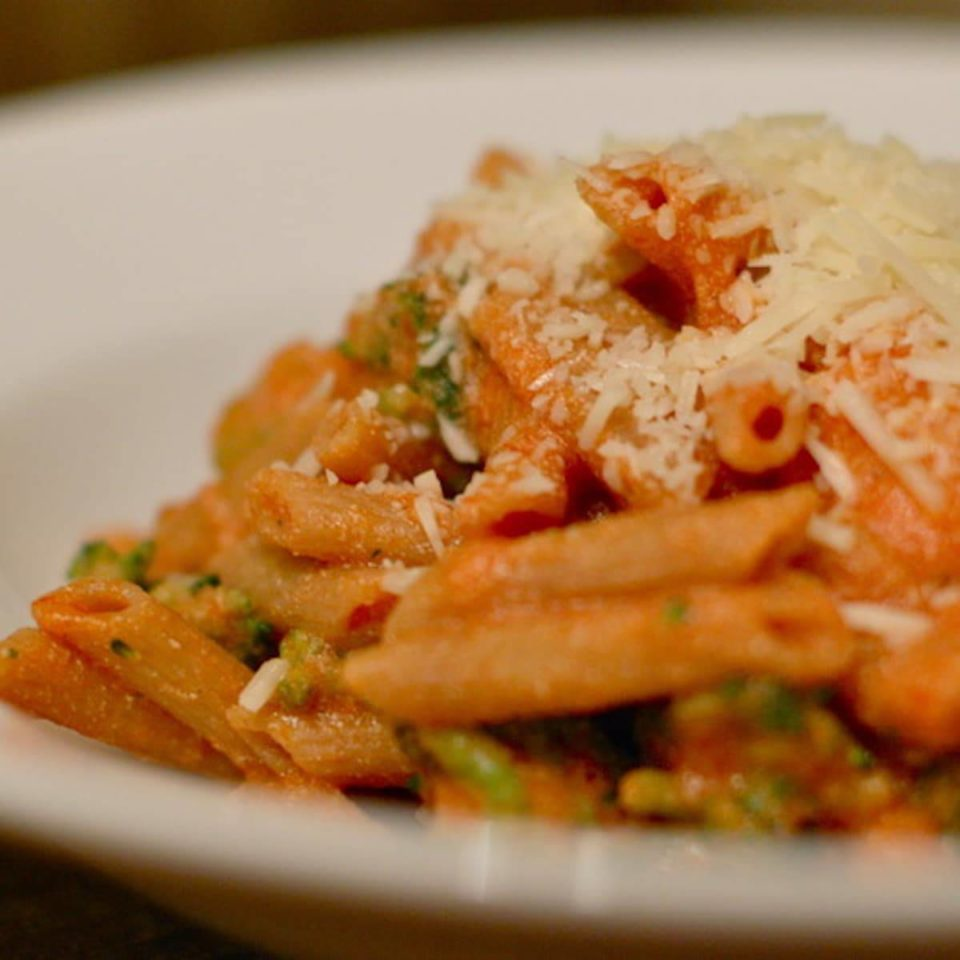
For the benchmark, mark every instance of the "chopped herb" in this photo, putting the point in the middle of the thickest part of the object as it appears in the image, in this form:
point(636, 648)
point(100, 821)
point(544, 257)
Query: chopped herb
point(294, 691)
point(236, 601)
point(414, 304)
point(781, 710)
point(378, 354)
point(414, 783)
point(675, 610)
point(98, 559)
point(11, 653)
point(135, 563)
point(481, 762)
point(261, 634)
point(297, 645)
point(91, 557)
point(861, 758)
point(122, 649)
point(399, 401)
point(297, 687)
point(437, 385)
point(346, 349)
point(207, 580)
point(376, 553)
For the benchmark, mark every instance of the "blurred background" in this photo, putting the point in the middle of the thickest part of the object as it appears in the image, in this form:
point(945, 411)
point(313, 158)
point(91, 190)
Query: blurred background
point(44, 42)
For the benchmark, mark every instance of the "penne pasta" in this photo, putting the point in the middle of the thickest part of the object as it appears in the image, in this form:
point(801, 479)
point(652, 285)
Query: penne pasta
point(288, 380)
point(340, 742)
point(757, 426)
point(338, 523)
point(188, 535)
point(346, 606)
point(634, 498)
point(159, 655)
point(522, 488)
point(284, 445)
point(590, 402)
point(913, 689)
point(44, 678)
point(577, 655)
point(358, 441)
point(726, 541)
point(700, 238)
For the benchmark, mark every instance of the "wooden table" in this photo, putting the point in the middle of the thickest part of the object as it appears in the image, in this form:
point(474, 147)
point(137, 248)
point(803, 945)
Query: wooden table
point(52, 910)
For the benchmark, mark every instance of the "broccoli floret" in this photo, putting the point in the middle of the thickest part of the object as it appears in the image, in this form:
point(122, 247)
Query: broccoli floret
point(298, 648)
point(207, 580)
point(136, 562)
point(481, 762)
point(259, 642)
point(437, 385)
point(414, 304)
point(98, 559)
point(122, 649)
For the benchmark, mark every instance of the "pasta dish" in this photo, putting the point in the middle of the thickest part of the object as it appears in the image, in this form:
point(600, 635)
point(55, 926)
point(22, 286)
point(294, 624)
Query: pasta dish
point(634, 498)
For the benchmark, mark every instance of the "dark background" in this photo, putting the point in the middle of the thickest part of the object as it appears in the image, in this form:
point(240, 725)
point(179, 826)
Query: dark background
point(51, 41)
point(49, 909)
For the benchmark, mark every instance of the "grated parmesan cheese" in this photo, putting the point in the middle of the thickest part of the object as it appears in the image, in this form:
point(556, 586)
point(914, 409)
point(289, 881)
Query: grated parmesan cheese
point(457, 441)
point(864, 417)
point(400, 580)
point(367, 399)
point(833, 469)
point(536, 219)
point(893, 624)
point(307, 463)
point(436, 351)
point(945, 596)
point(932, 369)
point(666, 222)
point(321, 390)
point(428, 482)
point(263, 684)
point(533, 482)
point(423, 508)
point(470, 296)
point(861, 256)
point(610, 397)
point(518, 282)
point(836, 536)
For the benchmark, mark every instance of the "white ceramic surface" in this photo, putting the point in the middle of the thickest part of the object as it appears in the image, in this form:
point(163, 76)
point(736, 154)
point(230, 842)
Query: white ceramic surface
point(157, 235)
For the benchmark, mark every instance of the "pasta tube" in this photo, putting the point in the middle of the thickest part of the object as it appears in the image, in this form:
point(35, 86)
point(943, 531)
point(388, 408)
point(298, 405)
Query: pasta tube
point(46, 679)
point(159, 655)
point(757, 426)
point(577, 655)
point(341, 742)
point(723, 541)
point(339, 523)
point(346, 606)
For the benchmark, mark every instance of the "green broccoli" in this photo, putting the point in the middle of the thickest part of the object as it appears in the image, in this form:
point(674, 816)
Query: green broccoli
point(98, 559)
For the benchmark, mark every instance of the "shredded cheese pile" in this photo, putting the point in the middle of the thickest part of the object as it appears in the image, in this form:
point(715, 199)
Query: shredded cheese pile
point(866, 260)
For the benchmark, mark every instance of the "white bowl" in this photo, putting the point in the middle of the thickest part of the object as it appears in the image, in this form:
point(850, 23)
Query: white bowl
point(158, 235)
